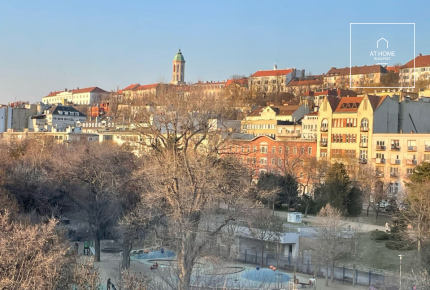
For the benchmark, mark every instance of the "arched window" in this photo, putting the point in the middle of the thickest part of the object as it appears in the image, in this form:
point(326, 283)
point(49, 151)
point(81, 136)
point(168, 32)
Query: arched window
point(364, 123)
point(177, 67)
point(324, 125)
point(173, 68)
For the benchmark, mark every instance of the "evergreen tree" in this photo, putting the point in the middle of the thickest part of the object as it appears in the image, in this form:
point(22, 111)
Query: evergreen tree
point(355, 202)
point(337, 186)
point(421, 173)
point(286, 186)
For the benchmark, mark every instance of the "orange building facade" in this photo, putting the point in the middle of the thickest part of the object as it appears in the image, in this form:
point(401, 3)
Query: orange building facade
point(264, 154)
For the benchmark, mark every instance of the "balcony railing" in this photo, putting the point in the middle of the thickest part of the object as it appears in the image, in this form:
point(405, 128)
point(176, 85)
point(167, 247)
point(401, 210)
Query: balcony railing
point(380, 161)
point(427, 148)
point(362, 161)
point(324, 129)
point(380, 147)
point(323, 144)
point(364, 129)
point(393, 174)
point(363, 145)
point(412, 148)
point(395, 147)
point(395, 161)
point(411, 162)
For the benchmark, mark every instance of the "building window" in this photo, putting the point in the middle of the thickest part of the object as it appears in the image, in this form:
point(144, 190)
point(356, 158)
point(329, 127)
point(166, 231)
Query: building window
point(280, 149)
point(263, 161)
point(364, 123)
point(294, 150)
point(255, 149)
point(309, 150)
point(302, 150)
point(263, 149)
point(273, 161)
point(273, 149)
point(279, 162)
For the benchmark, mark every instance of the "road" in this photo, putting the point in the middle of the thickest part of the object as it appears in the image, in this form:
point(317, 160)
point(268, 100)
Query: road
point(362, 226)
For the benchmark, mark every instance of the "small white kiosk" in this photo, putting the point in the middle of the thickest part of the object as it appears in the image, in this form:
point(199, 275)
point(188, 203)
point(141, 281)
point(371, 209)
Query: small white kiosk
point(294, 217)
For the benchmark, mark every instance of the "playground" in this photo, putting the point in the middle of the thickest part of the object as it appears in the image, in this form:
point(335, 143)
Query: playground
point(206, 275)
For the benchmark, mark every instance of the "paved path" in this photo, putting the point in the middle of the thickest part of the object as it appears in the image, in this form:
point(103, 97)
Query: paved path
point(362, 226)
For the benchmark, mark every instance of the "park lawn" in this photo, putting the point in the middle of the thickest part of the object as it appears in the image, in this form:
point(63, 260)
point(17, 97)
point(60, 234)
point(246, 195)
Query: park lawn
point(374, 254)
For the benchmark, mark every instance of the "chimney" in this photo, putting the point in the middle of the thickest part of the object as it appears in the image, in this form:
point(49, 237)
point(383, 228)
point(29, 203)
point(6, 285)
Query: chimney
point(65, 89)
point(420, 54)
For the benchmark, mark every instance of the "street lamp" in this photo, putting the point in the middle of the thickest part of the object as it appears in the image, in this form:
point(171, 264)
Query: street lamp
point(400, 256)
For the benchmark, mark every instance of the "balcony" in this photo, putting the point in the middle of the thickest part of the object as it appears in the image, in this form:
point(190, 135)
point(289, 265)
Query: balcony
point(363, 145)
point(379, 174)
point(364, 129)
point(379, 160)
point(411, 162)
point(362, 161)
point(380, 148)
point(324, 129)
point(395, 162)
point(395, 147)
point(394, 174)
point(427, 148)
point(323, 144)
point(412, 148)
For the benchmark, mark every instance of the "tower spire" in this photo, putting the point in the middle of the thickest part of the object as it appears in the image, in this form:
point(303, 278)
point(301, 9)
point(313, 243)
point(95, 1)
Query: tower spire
point(275, 67)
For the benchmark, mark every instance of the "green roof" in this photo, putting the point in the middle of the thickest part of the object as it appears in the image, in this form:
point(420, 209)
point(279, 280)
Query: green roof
point(179, 56)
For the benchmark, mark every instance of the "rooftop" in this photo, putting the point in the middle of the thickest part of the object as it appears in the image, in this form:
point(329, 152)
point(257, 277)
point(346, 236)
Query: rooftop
point(420, 61)
point(272, 73)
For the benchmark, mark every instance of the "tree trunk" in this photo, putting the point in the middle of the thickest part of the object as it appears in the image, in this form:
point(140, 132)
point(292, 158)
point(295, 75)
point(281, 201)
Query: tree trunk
point(262, 256)
point(306, 210)
point(376, 213)
point(186, 258)
point(326, 275)
point(97, 249)
point(332, 272)
point(368, 207)
point(126, 248)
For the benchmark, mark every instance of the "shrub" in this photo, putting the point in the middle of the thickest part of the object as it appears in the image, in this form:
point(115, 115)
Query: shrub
point(399, 246)
point(379, 235)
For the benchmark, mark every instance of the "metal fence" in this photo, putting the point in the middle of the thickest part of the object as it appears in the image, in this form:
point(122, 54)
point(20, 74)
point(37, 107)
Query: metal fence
point(342, 273)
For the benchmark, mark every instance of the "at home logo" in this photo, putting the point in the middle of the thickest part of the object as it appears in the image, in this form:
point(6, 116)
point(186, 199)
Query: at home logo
point(382, 54)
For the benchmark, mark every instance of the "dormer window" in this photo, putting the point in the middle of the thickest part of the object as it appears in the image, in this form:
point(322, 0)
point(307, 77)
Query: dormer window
point(60, 112)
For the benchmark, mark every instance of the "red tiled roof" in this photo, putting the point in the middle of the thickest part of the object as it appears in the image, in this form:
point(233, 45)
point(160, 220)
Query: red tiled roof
point(208, 83)
point(87, 90)
point(349, 104)
point(393, 68)
point(146, 87)
point(272, 73)
point(420, 61)
point(357, 70)
point(131, 87)
point(305, 83)
point(52, 94)
point(241, 82)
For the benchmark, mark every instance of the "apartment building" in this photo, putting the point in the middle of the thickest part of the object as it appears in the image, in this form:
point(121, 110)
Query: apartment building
point(264, 120)
point(265, 154)
point(273, 81)
point(396, 155)
point(346, 125)
point(300, 86)
point(310, 127)
point(357, 76)
point(418, 67)
point(85, 96)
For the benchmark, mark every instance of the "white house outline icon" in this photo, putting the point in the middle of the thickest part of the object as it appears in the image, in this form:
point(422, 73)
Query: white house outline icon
point(377, 43)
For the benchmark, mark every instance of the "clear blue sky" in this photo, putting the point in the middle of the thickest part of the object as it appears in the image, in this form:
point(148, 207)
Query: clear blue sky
point(52, 45)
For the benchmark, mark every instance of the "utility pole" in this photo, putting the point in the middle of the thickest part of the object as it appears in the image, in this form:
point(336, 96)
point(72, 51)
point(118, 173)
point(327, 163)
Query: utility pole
point(400, 256)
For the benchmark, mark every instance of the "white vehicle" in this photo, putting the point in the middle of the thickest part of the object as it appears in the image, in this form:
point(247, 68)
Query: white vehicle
point(383, 204)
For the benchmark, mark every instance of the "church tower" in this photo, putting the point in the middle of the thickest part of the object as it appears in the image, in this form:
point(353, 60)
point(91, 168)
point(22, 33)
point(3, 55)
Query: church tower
point(178, 73)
